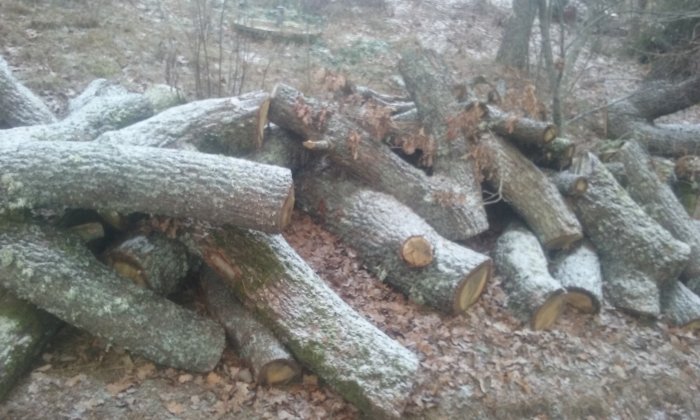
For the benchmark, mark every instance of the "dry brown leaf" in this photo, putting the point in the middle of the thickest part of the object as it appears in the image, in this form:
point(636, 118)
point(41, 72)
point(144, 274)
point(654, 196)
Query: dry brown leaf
point(175, 407)
point(145, 371)
point(184, 378)
point(120, 386)
point(213, 379)
point(70, 383)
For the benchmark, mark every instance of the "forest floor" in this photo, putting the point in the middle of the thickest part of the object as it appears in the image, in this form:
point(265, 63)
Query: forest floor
point(482, 364)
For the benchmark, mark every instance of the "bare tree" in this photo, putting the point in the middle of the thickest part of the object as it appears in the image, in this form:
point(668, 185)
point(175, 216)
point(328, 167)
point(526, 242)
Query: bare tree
point(514, 50)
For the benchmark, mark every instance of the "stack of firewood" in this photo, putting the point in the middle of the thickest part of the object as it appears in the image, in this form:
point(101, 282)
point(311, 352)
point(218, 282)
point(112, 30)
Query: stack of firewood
point(108, 210)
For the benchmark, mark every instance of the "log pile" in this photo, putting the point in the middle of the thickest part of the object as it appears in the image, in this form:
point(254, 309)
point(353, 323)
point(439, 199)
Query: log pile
point(202, 191)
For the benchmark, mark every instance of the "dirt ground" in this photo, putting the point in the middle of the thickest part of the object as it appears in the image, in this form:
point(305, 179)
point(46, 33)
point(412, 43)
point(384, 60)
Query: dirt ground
point(482, 364)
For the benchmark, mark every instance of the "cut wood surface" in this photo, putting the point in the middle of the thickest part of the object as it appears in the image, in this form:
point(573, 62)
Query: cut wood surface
point(57, 273)
point(533, 294)
point(568, 183)
point(523, 131)
point(444, 204)
point(130, 178)
point(579, 272)
point(556, 154)
point(271, 363)
point(317, 326)
point(392, 240)
point(681, 305)
point(18, 105)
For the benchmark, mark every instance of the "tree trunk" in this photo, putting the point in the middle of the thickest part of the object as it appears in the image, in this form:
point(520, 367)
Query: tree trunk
point(530, 192)
point(441, 202)
point(18, 105)
point(681, 305)
point(395, 244)
point(579, 272)
point(533, 295)
point(514, 50)
point(271, 363)
point(129, 178)
point(57, 273)
point(356, 359)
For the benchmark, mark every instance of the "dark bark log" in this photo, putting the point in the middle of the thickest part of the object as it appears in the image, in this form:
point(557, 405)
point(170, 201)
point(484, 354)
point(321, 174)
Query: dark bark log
point(654, 100)
point(568, 184)
point(514, 47)
point(579, 272)
point(557, 154)
point(281, 148)
point(153, 261)
point(271, 363)
point(530, 192)
point(681, 305)
point(18, 105)
point(377, 375)
point(636, 253)
point(384, 232)
point(129, 178)
point(671, 140)
point(659, 202)
point(24, 331)
point(57, 273)
point(441, 202)
point(525, 132)
point(533, 294)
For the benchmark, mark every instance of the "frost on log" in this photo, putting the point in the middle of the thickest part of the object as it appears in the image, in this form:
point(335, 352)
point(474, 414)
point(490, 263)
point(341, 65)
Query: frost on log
point(19, 105)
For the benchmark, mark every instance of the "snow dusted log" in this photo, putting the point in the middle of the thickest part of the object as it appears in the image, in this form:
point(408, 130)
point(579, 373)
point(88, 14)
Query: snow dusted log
point(444, 204)
point(271, 363)
point(129, 178)
point(227, 126)
point(24, 331)
point(428, 80)
point(153, 261)
point(637, 254)
point(533, 294)
point(579, 272)
point(57, 273)
point(525, 132)
point(659, 202)
point(351, 355)
point(556, 154)
point(681, 305)
point(18, 105)
point(392, 241)
point(568, 183)
point(95, 89)
point(530, 192)
point(281, 148)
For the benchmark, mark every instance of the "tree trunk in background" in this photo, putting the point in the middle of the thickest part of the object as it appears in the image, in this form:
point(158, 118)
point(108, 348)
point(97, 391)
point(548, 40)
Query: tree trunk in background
point(514, 50)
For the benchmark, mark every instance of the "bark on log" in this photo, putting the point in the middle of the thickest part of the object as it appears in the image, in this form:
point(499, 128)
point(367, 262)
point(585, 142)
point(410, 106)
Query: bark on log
point(579, 272)
point(18, 105)
point(57, 273)
point(24, 331)
point(530, 192)
point(376, 374)
point(659, 202)
point(568, 184)
point(441, 202)
point(129, 178)
point(533, 294)
point(681, 305)
point(636, 253)
point(153, 261)
point(280, 148)
point(525, 132)
point(428, 80)
point(392, 240)
point(96, 88)
point(271, 363)
point(556, 154)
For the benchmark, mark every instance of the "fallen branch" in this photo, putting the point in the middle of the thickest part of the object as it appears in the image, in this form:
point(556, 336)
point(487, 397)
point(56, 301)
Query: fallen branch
point(579, 272)
point(18, 105)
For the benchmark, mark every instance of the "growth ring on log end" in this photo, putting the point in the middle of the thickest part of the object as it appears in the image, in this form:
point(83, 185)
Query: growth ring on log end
point(547, 314)
point(473, 286)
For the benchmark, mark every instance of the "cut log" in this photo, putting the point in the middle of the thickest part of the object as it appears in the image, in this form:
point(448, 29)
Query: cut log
point(659, 202)
point(556, 154)
point(568, 184)
point(533, 196)
point(442, 203)
point(392, 240)
point(57, 273)
point(153, 261)
point(129, 178)
point(351, 355)
point(18, 105)
point(681, 305)
point(24, 331)
point(96, 88)
point(281, 148)
point(227, 126)
point(271, 363)
point(636, 253)
point(451, 126)
point(579, 272)
point(525, 132)
point(533, 294)
point(89, 232)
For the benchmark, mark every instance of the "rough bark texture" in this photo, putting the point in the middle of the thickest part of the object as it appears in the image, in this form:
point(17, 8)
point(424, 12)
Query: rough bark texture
point(533, 294)
point(153, 261)
point(568, 183)
point(355, 358)
point(514, 47)
point(442, 203)
point(24, 331)
point(96, 88)
point(378, 227)
point(579, 272)
point(428, 80)
point(281, 148)
point(636, 253)
point(531, 193)
point(525, 132)
point(681, 305)
point(18, 105)
point(129, 178)
point(271, 363)
point(556, 154)
point(659, 202)
point(57, 273)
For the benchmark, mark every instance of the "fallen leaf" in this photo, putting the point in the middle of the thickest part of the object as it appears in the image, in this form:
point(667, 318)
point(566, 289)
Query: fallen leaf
point(175, 407)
